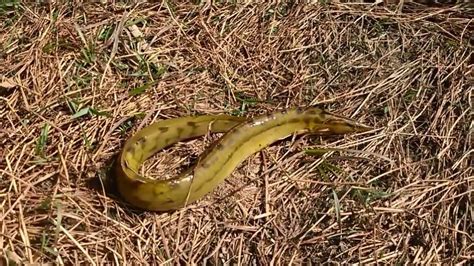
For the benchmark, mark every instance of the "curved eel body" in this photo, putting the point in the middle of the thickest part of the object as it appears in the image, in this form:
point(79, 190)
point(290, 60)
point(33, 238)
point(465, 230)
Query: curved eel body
point(243, 138)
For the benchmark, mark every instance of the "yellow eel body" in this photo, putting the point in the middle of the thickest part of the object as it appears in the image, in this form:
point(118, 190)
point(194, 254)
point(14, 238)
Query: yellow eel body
point(243, 138)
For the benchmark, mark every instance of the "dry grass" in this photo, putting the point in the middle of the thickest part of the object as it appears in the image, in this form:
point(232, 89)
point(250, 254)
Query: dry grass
point(78, 79)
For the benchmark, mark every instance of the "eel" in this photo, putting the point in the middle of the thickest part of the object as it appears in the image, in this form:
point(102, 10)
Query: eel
point(243, 137)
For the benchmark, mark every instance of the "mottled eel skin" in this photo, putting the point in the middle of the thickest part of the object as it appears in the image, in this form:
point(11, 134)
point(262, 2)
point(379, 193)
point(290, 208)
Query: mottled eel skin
point(243, 138)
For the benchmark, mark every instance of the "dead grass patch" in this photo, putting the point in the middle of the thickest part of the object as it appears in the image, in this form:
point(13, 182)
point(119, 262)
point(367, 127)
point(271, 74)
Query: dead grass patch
point(78, 79)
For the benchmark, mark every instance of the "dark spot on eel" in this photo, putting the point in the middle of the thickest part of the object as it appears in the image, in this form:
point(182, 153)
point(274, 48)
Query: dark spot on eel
point(163, 129)
point(317, 120)
point(306, 120)
point(294, 120)
point(142, 141)
point(168, 201)
point(157, 194)
point(192, 124)
point(219, 146)
point(180, 130)
point(204, 165)
point(131, 149)
point(208, 180)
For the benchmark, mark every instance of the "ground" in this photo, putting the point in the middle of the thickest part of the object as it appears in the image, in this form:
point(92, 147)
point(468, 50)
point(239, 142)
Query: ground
point(77, 80)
